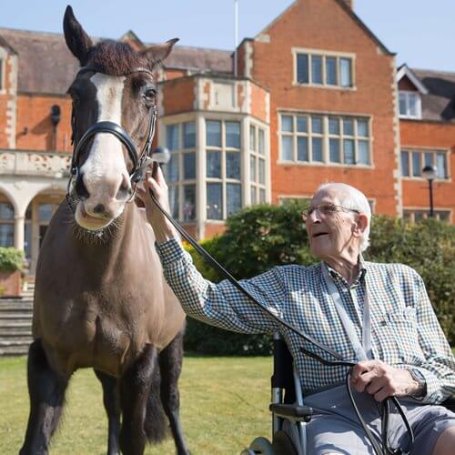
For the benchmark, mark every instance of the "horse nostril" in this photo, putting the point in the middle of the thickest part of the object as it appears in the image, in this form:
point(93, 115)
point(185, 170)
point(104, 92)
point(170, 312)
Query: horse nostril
point(99, 208)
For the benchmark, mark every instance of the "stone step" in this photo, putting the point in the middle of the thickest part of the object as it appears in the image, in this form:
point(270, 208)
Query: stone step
point(15, 332)
point(12, 315)
point(14, 350)
point(18, 341)
point(20, 325)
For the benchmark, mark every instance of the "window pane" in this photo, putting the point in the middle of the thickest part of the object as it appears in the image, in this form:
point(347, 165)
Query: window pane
point(261, 195)
point(189, 135)
point(253, 138)
point(214, 206)
point(412, 104)
point(302, 149)
point(316, 124)
point(302, 69)
point(189, 202)
point(6, 235)
point(335, 152)
point(363, 152)
point(253, 198)
point(316, 143)
point(334, 126)
point(261, 171)
point(286, 148)
point(6, 211)
point(172, 137)
point(174, 201)
point(316, 69)
point(233, 134)
point(172, 168)
point(234, 198)
point(345, 72)
point(416, 166)
point(331, 70)
point(402, 103)
point(348, 127)
point(405, 164)
point(214, 164)
point(252, 168)
point(441, 166)
point(287, 123)
point(45, 212)
point(213, 133)
point(233, 165)
point(189, 166)
point(302, 124)
point(428, 159)
point(261, 142)
point(362, 128)
point(348, 148)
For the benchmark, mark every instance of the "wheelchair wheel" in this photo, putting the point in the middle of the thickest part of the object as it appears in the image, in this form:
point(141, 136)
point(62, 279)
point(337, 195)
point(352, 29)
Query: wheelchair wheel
point(282, 444)
point(259, 446)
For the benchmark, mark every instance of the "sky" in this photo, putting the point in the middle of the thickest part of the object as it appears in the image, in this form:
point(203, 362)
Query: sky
point(420, 32)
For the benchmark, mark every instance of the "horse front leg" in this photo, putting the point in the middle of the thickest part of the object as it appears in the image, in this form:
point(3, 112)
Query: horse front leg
point(47, 395)
point(170, 361)
point(135, 385)
point(111, 402)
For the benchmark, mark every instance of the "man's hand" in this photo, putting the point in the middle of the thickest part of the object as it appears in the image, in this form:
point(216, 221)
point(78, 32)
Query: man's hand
point(381, 380)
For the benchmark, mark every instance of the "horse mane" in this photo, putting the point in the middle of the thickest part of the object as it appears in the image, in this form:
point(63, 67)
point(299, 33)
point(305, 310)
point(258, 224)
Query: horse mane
point(116, 58)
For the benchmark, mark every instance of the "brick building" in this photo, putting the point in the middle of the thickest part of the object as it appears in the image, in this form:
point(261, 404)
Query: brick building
point(314, 97)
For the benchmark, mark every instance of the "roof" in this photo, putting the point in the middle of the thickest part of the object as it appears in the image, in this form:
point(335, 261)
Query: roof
point(439, 103)
point(47, 66)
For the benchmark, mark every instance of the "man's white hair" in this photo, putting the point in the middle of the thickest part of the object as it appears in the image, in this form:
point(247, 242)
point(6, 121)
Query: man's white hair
point(352, 198)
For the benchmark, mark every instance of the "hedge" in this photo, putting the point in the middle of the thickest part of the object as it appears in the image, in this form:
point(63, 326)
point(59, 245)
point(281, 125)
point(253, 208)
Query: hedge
point(11, 259)
point(261, 237)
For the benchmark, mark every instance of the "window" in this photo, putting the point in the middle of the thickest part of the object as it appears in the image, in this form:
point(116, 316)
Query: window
point(181, 170)
point(416, 215)
point(324, 70)
point(6, 224)
point(310, 138)
point(410, 105)
point(413, 161)
point(257, 165)
point(223, 168)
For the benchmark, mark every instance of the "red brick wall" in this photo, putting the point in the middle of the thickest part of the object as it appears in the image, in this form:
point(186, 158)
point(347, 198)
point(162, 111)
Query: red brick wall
point(301, 26)
point(178, 95)
point(434, 136)
point(34, 127)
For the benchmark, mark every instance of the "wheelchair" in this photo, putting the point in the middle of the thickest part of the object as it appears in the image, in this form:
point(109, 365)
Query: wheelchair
point(289, 413)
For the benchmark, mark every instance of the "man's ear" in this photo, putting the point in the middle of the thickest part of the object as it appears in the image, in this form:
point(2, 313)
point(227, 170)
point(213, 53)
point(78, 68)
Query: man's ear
point(360, 224)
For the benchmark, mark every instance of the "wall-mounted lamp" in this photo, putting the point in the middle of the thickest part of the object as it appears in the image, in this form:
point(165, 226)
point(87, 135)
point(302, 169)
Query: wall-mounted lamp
point(55, 119)
point(429, 172)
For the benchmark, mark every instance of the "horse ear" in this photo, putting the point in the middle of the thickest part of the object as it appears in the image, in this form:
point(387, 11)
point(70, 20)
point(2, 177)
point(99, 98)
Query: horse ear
point(157, 53)
point(78, 42)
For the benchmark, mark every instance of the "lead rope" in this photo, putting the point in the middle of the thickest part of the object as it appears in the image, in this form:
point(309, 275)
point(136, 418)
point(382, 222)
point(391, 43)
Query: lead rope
point(379, 450)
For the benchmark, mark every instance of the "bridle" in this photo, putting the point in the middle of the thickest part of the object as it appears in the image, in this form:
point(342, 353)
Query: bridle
point(139, 164)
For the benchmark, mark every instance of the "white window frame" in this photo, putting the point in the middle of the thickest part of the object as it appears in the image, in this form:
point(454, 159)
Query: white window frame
point(422, 152)
point(324, 55)
point(258, 189)
point(410, 214)
point(325, 136)
point(408, 97)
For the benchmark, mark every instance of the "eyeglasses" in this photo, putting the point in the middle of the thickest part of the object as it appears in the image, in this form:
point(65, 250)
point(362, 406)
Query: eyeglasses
point(327, 210)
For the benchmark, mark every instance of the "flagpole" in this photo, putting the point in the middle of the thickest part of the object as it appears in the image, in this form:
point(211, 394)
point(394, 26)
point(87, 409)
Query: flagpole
point(236, 34)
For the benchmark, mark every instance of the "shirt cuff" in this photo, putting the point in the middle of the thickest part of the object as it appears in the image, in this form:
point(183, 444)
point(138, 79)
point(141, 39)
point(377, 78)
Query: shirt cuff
point(170, 251)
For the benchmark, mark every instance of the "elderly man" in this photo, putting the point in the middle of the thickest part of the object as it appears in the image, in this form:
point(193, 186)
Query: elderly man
point(378, 315)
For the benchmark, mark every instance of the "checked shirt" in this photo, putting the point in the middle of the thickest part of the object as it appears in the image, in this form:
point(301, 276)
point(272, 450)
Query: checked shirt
point(404, 330)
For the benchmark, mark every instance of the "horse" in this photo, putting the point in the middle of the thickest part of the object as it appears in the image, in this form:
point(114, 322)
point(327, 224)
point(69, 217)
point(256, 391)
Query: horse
point(100, 298)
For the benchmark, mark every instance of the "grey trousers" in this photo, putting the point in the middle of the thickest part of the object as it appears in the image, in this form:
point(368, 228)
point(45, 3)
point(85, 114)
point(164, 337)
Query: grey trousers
point(335, 427)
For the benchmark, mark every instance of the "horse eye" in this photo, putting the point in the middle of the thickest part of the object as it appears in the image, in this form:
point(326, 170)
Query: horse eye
point(150, 94)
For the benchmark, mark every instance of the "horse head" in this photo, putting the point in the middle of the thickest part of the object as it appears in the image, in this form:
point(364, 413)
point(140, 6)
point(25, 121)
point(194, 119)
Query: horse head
point(113, 122)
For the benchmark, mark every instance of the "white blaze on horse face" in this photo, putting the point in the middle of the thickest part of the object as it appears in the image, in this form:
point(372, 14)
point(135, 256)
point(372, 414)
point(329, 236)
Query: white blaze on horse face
point(105, 169)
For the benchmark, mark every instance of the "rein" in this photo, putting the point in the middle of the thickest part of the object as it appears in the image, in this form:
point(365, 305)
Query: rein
point(380, 448)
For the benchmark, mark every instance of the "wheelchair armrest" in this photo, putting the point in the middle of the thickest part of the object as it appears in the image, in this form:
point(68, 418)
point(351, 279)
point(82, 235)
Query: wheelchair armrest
point(293, 411)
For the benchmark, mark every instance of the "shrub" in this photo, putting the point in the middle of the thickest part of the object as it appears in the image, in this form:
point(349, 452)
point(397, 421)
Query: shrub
point(11, 259)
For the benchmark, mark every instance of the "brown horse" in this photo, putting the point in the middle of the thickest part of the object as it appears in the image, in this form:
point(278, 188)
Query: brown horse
point(100, 299)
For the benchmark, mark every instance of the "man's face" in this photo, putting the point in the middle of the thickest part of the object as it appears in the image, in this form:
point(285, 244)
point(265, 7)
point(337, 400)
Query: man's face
point(330, 227)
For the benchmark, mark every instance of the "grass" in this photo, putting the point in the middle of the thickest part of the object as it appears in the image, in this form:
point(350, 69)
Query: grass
point(224, 404)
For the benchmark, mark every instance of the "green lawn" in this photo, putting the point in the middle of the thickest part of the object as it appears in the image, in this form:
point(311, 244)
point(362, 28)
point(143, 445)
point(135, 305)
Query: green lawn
point(224, 406)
